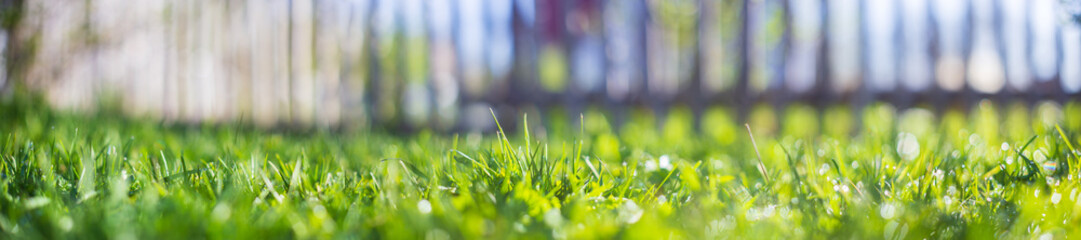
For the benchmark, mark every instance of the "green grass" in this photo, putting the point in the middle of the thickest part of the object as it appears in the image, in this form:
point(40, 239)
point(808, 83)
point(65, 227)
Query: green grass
point(986, 173)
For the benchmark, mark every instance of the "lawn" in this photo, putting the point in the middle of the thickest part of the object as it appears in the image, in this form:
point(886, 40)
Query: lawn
point(1002, 171)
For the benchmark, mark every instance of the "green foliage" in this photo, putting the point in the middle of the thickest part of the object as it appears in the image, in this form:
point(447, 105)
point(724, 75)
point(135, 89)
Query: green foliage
point(904, 175)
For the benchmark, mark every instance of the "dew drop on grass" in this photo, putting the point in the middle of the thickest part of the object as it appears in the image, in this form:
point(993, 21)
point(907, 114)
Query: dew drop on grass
point(321, 212)
point(888, 211)
point(1047, 236)
point(424, 206)
point(908, 146)
point(1050, 166)
point(1055, 198)
point(768, 211)
point(651, 165)
point(1039, 156)
point(66, 223)
point(891, 228)
point(752, 214)
point(36, 202)
point(665, 162)
point(716, 228)
point(717, 164)
point(630, 212)
point(1005, 146)
point(221, 212)
point(662, 199)
point(975, 140)
point(553, 218)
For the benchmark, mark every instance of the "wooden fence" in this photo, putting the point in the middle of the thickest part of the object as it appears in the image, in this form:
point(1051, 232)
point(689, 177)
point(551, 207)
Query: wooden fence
point(409, 64)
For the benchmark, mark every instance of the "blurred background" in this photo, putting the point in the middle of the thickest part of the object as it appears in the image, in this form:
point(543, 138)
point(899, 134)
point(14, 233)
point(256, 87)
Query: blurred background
point(442, 64)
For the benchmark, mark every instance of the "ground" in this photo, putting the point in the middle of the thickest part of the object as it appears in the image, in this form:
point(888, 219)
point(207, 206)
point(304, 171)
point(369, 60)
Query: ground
point(994, 171)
